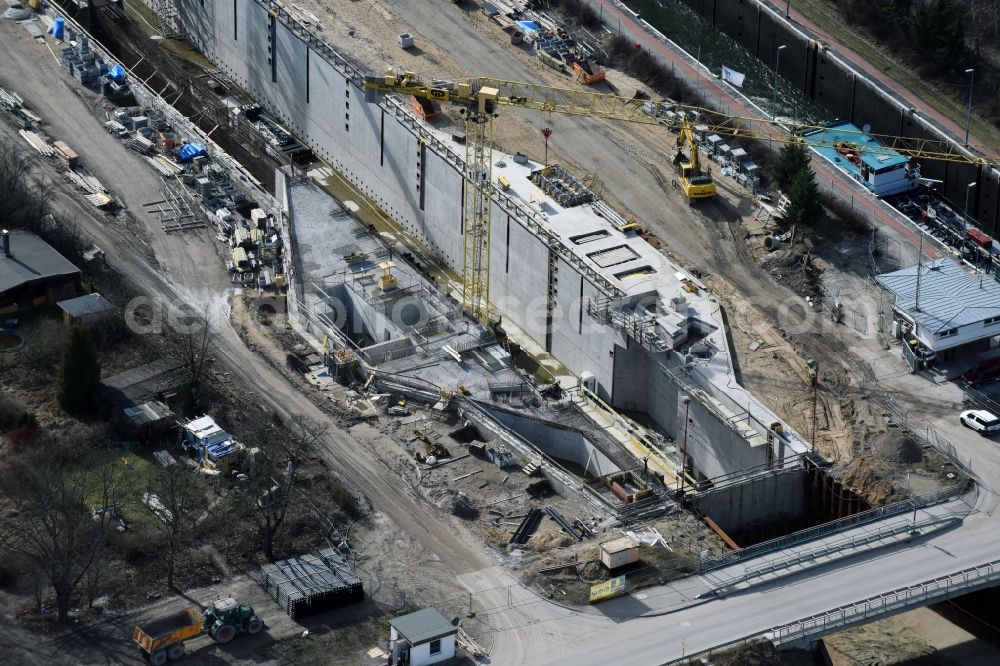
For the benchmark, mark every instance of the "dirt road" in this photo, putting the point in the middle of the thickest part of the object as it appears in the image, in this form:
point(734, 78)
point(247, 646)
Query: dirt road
point(188, 271)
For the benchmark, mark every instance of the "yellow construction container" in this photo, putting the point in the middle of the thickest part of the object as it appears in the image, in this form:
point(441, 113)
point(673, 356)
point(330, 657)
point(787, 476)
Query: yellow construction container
point(387, 280)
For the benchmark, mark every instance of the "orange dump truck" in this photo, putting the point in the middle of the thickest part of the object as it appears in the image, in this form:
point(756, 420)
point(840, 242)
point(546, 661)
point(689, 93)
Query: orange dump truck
point(162, 640)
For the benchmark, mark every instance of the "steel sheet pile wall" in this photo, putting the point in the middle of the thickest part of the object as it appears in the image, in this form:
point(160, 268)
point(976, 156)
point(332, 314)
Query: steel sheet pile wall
point(312, 584)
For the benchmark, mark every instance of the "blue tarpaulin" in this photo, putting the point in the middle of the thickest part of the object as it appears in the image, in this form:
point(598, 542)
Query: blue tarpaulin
point(530, 27)
point(57, 27)
point(190, 151)
point(117, 74)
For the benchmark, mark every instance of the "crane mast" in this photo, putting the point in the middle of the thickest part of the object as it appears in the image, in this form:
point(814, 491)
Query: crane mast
point(478, 197)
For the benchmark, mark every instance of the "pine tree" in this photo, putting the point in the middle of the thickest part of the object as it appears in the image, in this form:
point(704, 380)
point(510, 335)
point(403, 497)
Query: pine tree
point(804, 208)
point(793, 159)
point(938, 34)
point(79, 374)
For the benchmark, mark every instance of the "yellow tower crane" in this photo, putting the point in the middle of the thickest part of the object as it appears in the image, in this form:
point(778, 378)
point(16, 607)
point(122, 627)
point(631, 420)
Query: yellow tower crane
point(480, 98)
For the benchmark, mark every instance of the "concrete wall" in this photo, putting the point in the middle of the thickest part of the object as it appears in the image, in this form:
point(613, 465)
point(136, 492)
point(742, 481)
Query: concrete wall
point(355, 315)
point(761, 500)
point(829, 81)
point(714, 448)
point(419, 181)
point(385, 152)
point(560, 443)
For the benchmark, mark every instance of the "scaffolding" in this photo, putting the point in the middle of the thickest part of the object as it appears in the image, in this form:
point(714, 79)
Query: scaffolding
point(561, 185)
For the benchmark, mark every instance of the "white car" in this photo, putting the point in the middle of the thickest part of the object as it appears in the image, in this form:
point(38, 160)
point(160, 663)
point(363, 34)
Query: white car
point(983, 422)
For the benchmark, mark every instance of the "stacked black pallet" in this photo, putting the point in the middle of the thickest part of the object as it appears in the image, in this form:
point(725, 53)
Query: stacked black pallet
point(311, 584)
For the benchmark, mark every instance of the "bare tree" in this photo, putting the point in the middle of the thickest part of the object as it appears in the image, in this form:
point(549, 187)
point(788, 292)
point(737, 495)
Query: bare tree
point(23, 203)
point(189, 341)
point(59, 513)
point(267, 492)
point(177, 506)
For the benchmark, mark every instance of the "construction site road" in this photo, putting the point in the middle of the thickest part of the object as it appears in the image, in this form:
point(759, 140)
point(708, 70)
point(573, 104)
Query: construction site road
point(537, 633)
point(188, 275)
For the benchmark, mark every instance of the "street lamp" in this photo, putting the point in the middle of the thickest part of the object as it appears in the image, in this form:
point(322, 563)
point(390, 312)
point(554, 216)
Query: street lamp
point(965, 227)
point(968, 110)
point(788, 4)
point(774, 93)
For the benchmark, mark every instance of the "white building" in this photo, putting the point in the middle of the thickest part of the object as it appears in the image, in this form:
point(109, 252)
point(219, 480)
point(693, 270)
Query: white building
point(952, 307)
point(619, 552)
point(423, 637)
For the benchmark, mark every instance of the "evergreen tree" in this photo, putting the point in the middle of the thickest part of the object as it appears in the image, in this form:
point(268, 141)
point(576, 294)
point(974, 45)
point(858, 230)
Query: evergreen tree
point(804, 208)
point(79, 374)
point(793, 160)
point(938, 35)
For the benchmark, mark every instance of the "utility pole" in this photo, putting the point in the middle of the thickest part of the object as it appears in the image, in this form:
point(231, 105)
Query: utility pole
point(812, 364)
point(965, 216)
point(774, 93)
point(920, 268)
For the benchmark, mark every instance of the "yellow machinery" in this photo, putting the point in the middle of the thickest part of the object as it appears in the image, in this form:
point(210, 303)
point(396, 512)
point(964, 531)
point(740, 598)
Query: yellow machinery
point(387, 281)
point(480, 97)
point(695, 183)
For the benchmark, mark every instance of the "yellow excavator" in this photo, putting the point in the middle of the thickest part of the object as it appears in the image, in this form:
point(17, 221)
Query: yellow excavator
point(695, 183)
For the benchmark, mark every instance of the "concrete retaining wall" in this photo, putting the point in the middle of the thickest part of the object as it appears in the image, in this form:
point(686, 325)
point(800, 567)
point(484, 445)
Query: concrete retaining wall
point(762, 500)
point(384, 152)
point(560, 443)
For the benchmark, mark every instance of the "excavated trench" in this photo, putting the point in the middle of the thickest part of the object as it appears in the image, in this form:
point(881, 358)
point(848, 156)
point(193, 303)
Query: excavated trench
point(775, 504)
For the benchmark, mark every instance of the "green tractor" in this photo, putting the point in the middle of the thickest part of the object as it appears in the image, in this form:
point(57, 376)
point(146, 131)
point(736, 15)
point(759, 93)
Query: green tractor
point(226, 617)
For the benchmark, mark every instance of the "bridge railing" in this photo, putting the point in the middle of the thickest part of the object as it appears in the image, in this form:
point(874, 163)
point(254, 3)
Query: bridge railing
point(890, 603)
point(941, 588)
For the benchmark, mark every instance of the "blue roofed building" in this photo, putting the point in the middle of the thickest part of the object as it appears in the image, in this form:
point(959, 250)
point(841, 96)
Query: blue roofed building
point(873, 164)
point(953, 307)
point(209, 442)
